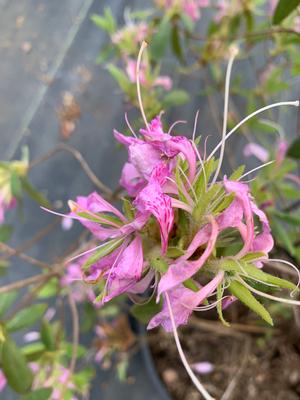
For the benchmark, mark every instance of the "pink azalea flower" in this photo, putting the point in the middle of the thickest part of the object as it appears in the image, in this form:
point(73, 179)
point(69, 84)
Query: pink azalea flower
point(6, 205)
point(254, 149)
point(282, 148)
point(152, 200)
point(164, 81)
point(182, 269)
point(183, 302)
point(127, 270)
point(3, 381)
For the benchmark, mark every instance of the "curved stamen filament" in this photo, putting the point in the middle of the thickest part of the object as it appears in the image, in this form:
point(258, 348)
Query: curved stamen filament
point(274, 105)
point(289, 264)
point(269, 296)
point(225, 113)
point(174, 124)
point(129, 126)
point(138, 84)
point(185, 363)
point(256, 169)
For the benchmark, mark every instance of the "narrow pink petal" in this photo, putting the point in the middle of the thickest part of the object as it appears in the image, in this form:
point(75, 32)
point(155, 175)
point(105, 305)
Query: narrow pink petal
point(182, 270)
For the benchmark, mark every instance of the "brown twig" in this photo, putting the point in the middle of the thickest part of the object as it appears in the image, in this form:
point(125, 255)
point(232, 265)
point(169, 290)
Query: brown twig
point(30, 242)
point(26, 282)
point(31, 260)
point(76, 154)
point(235, 329)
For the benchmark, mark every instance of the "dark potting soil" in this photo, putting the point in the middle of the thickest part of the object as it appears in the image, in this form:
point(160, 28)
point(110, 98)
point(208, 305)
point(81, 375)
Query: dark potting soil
point(248, 365)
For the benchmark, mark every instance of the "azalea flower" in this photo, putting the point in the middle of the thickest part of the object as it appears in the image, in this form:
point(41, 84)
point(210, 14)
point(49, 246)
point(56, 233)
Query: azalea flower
point(192, 8)
point(146, 80)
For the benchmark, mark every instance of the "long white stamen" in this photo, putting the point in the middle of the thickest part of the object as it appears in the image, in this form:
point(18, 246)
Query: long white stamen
point(195, 126)
point(269, 296)
point(212, 305)
point(129, 126)
point(202, 165)
point(138, 84)
point(185, 363)
point(292, 266)
point(225, 113)
point(188, 182)
point(274, 105)
point(256, 169)
point(174, 124)
point(93, 249)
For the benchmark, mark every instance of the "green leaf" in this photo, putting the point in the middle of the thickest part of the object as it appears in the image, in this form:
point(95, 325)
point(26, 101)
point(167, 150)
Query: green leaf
point(33, 351)
point(105, 22)
point(6, 300)
point(176, 98)
point(246, 297)
point(19, 376)
point(209, 167)
point(237, 173)
point(15, 185)
point(256, 273)
point(176, 43)
point(35, 194)
point(160, 39)
point(120, 77)
point(39, 394)
point(282, 236)
point(284, 9)
point(159, 264)
point(128, 209)
point(5, 233)
point(294, 149)
point(26, 317)
point(287, 217)
point(174, 252)
point(255, 255)
point(104, 250)
point(145, 312)
point(190, 284)
point(47, 335)
point(220, 291)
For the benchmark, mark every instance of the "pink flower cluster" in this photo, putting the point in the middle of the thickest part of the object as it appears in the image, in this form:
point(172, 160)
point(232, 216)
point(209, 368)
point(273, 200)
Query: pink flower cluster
point(167, 185)
point(192, 8)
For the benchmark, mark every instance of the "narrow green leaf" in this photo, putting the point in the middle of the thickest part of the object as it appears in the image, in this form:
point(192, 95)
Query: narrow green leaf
point(26, 317)
point(282, 236)
point(34, 194)
point(246, 297)
point(120, 77)
point(47, 335)
point(160, 39)
point(284, 9)
point(190, 284)
point(145, 312)
point(220, 292)
point(19, 376)
point(104, 250)
point(6, 300)
point(15, 184)
point(174, 252)
point(237, 173)
point(176, 98)
point(39, 394)
point(33, 351)
point(176, 43)
point(256, 255)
